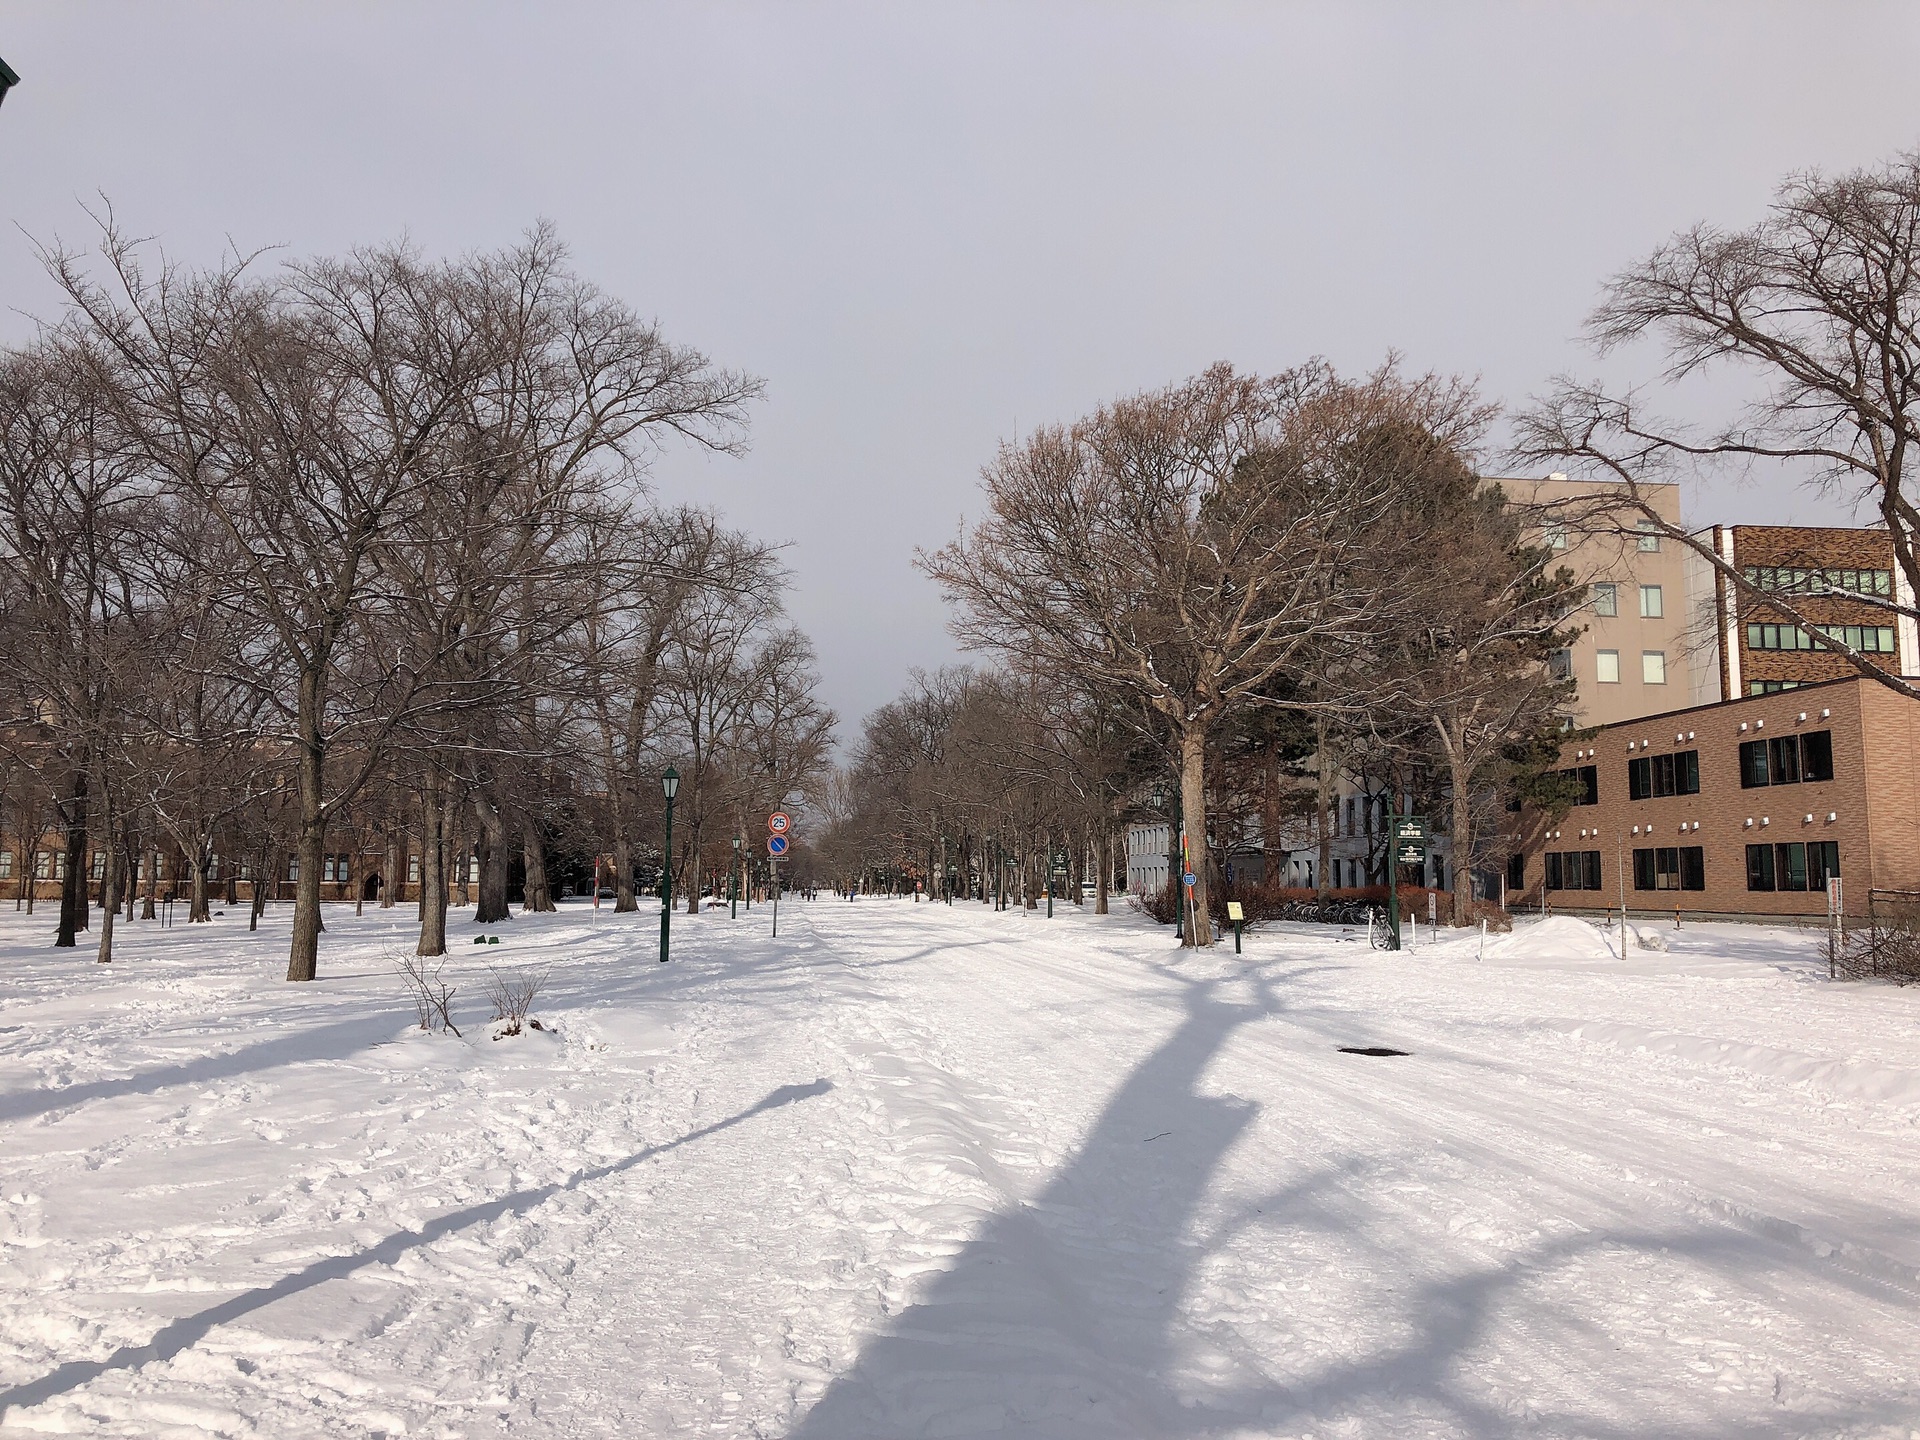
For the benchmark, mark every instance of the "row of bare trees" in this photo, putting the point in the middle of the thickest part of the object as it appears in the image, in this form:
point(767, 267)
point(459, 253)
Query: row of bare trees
point(1276, 572)
point(1304, 566)
point(360, 552)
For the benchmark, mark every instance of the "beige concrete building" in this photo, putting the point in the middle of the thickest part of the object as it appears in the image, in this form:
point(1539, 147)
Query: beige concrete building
point(1640, 652)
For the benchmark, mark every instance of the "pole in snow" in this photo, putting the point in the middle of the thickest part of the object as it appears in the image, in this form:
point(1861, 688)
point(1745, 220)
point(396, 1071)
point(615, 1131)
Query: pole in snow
point(670, 786)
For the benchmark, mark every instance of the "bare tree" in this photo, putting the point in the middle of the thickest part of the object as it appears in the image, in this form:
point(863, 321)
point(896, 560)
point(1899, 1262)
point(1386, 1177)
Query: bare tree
point(1186, 547)
point(1819, 301)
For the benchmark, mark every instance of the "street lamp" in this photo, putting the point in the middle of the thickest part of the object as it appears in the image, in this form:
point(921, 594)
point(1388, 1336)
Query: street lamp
point(669, 786)
point(733, 883)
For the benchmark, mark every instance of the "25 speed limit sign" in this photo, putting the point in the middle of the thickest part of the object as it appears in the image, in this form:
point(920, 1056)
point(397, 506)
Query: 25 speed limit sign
point(779, 822)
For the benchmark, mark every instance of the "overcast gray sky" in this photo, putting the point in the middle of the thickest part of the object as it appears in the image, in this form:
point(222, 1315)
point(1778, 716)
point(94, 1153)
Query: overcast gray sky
point(928, 226)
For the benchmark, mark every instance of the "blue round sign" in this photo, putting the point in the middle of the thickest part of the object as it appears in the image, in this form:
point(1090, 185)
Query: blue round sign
point(776, 844)
point(1189, 877)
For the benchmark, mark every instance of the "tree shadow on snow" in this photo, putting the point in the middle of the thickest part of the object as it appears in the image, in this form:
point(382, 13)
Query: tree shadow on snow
point(191, 1329)
point(1063, 1319)
point(333, 1041)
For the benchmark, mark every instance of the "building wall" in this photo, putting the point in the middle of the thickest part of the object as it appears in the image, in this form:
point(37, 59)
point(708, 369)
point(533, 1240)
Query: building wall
point(1742, 669)
point(1890, 727)
point(1146, 858)
point(1873, 799)
point(1603, 547)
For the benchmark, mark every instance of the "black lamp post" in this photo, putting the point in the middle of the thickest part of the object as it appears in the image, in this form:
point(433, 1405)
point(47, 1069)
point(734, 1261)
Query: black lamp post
point(669, 786)
point(733, 883)
point(8, 79)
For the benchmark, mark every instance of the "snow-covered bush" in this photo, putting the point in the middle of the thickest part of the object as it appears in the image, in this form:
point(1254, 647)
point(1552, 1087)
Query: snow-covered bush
point(431, 995)
point(513, 995)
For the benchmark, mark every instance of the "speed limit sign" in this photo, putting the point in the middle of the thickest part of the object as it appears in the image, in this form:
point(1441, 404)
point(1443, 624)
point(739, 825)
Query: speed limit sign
point(779, 822)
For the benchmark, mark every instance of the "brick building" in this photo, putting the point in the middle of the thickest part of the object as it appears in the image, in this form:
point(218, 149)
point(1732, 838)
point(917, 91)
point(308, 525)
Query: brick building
point(1740, 807)
point(1755, 648)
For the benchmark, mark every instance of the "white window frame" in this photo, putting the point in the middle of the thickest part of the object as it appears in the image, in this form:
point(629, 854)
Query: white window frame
point(1603, 660)
point(1652, 661)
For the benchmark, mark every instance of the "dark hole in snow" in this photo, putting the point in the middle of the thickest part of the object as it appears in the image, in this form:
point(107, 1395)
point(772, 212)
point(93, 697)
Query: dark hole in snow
point(1370, 1050)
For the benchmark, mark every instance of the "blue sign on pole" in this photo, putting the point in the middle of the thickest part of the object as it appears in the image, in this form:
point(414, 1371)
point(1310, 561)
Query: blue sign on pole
point(776, 845)
point(1189, 877)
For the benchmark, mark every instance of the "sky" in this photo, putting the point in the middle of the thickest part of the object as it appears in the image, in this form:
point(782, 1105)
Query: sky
point(931, 228)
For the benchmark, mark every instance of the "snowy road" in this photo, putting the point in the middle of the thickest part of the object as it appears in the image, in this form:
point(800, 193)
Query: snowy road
point(912, 1170)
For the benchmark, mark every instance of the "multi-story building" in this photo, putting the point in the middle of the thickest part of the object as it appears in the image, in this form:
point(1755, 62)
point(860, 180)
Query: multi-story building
point(1745, 806)
point(1637, 653)
point(1147, 858)
point(1832, 576)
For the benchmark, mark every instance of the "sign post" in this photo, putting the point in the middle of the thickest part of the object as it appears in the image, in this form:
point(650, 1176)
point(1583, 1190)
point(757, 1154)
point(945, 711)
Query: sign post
point(1836, 935)
point(1236, 913)
point(778, 824)
point(1408, 847)
point(776, 847)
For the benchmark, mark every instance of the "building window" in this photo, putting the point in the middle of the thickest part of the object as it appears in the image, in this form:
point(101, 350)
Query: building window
point(1670, 867)
point(1516, 873)
point(1352, 808)
point(1778, 637)
point(1572, 870)
point(1606, 599)
point(1867, 639)
point(1652, 602)
point(293, 869)
point(6, 864)
point(1649, 537)
point(1556, 537)
point(1607, 667)
point(1771, 687)
point(1586, 779)
point(97, 870)
point(1653, 667)
point(1804, 581)
point(1560, 664)
point(1655, 776)
point(1786, 759)
point(1793, 866)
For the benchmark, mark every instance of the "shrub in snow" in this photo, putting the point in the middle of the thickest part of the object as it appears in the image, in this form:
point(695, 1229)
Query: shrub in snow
point(1887, 947)
point(431, 995)
point(513, 995)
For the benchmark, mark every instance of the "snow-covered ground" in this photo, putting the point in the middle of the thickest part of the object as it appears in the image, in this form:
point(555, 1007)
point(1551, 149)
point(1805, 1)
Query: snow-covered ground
point(912, 1170)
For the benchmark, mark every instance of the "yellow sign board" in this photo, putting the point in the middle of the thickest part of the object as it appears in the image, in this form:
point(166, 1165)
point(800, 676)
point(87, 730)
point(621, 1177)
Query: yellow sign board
point(1234, 912)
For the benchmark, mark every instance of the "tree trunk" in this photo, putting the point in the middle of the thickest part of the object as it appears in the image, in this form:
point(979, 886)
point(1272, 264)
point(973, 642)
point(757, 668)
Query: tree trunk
point(110, 898)
point(198, 908)
point(1106, 866)
point(492, 908)
point(73, 885)
point(1197, 927)
point(624, 900)
point(257, 901)
point(539, 893)
point(303, 959)
point(433, 878)
point(391, 874)
point(1329, 817)
point(1461, 774)
point(149, 893)
point(692, 873)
